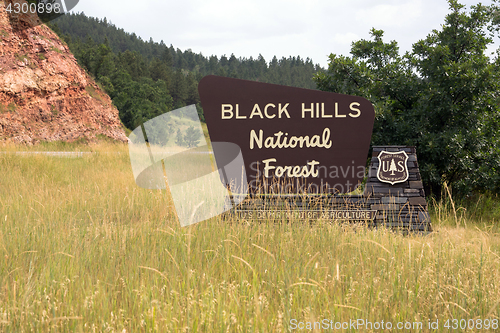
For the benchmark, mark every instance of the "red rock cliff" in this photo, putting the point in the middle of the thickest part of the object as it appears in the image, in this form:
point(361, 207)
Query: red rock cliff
point(44, 94)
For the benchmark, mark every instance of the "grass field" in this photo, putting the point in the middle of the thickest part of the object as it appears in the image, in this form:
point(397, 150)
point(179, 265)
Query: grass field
point(83, 249)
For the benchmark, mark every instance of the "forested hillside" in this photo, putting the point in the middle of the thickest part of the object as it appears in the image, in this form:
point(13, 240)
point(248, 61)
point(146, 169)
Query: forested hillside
point(441, 97)
point(146, 78)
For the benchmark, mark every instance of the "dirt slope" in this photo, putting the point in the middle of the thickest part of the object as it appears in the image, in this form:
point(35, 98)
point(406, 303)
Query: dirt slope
point(44, 94)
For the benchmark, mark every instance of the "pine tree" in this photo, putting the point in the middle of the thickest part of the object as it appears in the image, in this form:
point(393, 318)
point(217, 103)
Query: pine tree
point(392, 168)
point(192, 137)
point(179, 90)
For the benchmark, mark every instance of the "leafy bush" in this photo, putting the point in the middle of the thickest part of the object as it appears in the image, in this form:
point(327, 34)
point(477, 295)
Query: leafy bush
point(441, 97)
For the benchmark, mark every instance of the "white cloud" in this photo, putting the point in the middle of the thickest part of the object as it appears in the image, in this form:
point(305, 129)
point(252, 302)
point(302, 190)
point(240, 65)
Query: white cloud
point(397, 15)
point(345, 38)
point(313, 28)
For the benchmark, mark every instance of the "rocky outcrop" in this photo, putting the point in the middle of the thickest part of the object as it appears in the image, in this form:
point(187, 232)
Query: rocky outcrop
point(44, 94)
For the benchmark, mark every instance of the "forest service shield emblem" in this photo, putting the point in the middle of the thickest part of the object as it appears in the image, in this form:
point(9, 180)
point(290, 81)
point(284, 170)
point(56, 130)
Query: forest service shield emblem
point(393, 167)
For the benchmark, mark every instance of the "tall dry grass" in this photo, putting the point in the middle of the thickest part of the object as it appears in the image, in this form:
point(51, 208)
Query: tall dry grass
point(83, 249)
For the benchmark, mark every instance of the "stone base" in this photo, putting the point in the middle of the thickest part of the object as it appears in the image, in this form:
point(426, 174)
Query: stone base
point(402, 204)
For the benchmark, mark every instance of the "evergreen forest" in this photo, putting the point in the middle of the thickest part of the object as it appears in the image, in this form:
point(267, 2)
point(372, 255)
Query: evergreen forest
point(146, 78)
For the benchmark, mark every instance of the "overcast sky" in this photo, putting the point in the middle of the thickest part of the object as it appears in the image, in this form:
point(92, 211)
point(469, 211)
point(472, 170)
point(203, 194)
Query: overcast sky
point(308, 28)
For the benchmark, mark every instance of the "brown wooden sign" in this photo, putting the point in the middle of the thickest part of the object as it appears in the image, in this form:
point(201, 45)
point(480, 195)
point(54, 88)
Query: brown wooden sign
point(292, 140)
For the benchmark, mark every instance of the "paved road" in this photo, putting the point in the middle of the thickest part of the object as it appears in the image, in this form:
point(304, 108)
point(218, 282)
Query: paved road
point(69, 154)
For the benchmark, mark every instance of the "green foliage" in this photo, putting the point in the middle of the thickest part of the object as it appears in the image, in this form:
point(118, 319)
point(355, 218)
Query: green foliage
point(91, 91)
point(141, 100)
point(441, 97)
point(12, 107)
point(483, 208)
point(55, 49)
point(192, 137)
point(21, 57)
point(3, 34)
point(160, 130)
point(54, 111)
